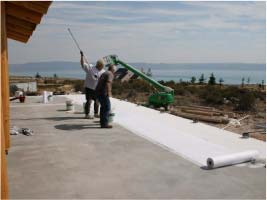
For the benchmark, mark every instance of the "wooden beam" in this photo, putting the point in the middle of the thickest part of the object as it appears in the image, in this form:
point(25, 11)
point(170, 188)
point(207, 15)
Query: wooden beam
point(4, 178)
point(5, 79)
point(20, 23)
point(23, 13)
point(15, 29)
point(20, 30)
point(45, 4)
point(3, 105)
point(33, 6)
point(18, 37)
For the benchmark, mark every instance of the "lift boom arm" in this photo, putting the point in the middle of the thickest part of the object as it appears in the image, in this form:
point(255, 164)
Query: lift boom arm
point(113, 59)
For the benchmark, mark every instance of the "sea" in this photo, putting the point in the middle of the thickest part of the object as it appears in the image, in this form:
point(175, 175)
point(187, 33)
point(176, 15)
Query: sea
point(230, 73)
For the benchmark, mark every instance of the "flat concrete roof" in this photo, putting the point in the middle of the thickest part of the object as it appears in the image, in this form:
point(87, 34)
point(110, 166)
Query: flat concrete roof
point(71, 157)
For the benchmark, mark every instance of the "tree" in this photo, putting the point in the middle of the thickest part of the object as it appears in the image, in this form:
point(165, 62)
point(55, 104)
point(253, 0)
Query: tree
point(142, 70)
point(243, 82)
point(248, 80)
point(221, 81)
point(162, 82)
point(193, 80)
point(38, 75)
point(201, 79)
point(149, 72)
point(212, 80)
point(55, 76)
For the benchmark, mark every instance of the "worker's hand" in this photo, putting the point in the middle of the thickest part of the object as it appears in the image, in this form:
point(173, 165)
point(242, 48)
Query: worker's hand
point(81, 53)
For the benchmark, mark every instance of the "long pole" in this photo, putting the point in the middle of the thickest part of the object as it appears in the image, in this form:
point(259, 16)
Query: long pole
point(75, 41)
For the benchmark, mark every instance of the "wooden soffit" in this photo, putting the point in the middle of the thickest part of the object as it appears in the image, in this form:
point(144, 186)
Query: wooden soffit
point(22, 17)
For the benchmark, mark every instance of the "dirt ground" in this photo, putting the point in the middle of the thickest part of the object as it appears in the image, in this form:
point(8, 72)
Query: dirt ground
point(247, 125)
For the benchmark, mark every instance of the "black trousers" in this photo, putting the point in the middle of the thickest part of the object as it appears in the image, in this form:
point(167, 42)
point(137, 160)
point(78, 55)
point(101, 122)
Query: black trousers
point(90, 95)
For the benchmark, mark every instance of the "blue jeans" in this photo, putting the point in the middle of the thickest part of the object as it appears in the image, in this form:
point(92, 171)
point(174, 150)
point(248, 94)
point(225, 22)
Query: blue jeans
point(104, 109)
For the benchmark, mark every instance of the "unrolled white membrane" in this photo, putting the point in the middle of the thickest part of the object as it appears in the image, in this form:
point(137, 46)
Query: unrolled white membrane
point(193, 141)
point(231, 159)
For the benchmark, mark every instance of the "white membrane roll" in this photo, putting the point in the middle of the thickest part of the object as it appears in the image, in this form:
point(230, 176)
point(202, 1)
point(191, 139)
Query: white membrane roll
point(231, 159)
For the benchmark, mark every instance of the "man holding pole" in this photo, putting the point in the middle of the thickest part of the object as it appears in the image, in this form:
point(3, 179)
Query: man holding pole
point(93, 74)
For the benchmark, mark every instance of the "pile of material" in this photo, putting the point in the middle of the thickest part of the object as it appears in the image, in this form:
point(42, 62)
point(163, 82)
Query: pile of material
point(24, 131)
point(201, 113)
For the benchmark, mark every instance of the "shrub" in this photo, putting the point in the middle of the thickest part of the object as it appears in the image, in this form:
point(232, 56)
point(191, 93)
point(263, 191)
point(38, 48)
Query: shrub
point(12, 90)
point(162, 82)
point(78, 85)
point(246, 101)
point(211, 94)
point(192, 90)
point(179, 89)
point(243, 99)
point(170, 84)
point(193, 80)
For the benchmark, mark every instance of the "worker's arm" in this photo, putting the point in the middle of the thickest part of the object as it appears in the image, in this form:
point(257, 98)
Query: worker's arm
point(84, 63)
point(108, 86)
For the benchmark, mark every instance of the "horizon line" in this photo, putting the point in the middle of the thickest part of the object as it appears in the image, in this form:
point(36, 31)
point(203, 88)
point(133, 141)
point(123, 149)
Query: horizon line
point(148, 62)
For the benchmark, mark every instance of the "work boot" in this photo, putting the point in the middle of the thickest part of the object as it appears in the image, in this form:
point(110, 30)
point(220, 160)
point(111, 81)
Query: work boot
point(97, 115)
point(89, 117)
point(107, 126)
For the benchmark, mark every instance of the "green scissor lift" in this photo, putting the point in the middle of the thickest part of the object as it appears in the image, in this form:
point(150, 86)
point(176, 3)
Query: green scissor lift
point(164, 95)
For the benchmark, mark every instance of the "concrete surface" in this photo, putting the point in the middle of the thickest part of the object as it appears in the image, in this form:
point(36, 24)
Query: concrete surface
point(70, 157)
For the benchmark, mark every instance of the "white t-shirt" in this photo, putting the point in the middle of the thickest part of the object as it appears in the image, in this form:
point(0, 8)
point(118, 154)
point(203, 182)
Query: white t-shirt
point(92, 75)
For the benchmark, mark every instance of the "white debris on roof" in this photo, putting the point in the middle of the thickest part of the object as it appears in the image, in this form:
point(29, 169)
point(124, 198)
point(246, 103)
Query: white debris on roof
point(193, 141)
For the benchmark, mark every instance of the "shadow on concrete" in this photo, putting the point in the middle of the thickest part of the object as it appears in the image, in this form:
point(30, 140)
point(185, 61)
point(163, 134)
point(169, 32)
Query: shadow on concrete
point(52, 118)
point(62, 110)
point(71, 127)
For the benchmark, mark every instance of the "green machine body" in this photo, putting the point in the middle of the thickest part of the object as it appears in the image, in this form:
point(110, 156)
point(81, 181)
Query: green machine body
point(163, 97)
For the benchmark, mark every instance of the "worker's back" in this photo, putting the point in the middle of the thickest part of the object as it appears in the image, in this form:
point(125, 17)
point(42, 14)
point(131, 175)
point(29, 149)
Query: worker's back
point(101, 86)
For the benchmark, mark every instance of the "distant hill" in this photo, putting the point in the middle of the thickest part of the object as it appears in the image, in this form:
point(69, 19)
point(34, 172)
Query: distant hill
point(230, 72)
point(47, 66)
point(59, 65)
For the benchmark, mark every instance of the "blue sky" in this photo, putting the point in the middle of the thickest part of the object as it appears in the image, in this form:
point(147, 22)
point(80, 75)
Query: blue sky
point(167, 32)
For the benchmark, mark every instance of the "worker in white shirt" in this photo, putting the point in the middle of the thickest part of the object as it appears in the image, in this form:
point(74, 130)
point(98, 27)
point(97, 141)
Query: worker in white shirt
point(93, 74)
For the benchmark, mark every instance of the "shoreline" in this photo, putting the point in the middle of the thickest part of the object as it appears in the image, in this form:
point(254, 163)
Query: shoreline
point(12, 76)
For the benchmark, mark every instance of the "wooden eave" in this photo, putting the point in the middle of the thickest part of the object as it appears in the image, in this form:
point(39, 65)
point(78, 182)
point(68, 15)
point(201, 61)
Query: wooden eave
point(22, 17)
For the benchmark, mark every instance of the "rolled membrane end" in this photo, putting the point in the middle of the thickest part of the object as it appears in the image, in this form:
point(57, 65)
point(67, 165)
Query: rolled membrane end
point(210, 163)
